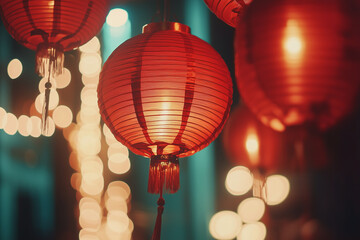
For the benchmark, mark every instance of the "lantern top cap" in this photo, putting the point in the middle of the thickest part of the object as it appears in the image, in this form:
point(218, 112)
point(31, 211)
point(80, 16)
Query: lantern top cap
point(163, 26)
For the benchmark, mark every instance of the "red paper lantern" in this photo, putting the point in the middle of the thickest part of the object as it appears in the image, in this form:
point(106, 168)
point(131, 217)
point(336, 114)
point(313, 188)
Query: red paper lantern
point(51, 27)
point(250, 143)
point(165, 94)
point(227, 10)
point(298, 62)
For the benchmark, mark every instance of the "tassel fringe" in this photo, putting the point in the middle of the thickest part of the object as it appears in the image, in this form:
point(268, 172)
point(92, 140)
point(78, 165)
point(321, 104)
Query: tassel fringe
point(259, 188)
point(49, 60)
point(164, 170)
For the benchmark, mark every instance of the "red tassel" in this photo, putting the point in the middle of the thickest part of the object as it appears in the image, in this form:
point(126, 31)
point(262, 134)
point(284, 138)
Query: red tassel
point(164, 170)
point(157, 229)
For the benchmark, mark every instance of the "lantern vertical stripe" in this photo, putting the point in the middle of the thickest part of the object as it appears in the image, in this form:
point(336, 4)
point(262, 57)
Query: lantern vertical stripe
point(28, 14)
point(189, 88)
point(56, 17)
point(136, 96)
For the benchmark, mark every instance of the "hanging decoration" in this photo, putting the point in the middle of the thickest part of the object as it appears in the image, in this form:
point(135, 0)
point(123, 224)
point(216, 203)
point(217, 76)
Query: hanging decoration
point(297, 62)
point(250, 143)
point(51, 27)
point(165, 94)
point(227, 10)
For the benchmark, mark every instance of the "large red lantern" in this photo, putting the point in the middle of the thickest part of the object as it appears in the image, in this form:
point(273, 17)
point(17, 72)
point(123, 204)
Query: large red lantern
point(51, 27)
point(165, 94)
point(227, 10)
point(298, 62)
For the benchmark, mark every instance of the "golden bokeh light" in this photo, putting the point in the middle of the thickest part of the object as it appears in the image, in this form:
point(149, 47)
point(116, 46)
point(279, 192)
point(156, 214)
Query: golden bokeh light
point(225, 225)
point(118, 189)
point(252, 231)
point(88, 96)
point(90, 115)
point(117, 17)
point(3, 118)
point(119, 163)
point(14, 68)
point(117, 221)
point(89, 80)
point(91, 46)
point(62, 116)
point(90, 214)
point(92, 185)
point(35, 126)
point(116, 204)
point(251, 209)
point(88, 235)
point(239, 180)
point(118, 148)
point(25, 125)
point(90, 64)
point(276, 189)
point(12, 124)
point(64, 79)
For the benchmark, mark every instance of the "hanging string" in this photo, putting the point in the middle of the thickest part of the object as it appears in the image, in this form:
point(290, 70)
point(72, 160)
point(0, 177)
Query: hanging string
point(45, 111)
point(160, 209)
point(157, 13)
point(166, 11)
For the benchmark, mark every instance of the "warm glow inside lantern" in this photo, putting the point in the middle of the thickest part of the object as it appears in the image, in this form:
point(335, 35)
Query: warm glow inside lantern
point(165, 94)
point(297, 62)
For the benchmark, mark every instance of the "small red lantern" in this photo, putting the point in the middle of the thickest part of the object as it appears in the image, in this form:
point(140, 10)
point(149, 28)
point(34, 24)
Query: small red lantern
point(51, 27)
point(250, 143)
point(297, 62)
point(165, 94)
point(227, 10)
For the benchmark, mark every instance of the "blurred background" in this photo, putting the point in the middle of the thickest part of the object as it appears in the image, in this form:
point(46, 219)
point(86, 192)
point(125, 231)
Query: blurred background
point(45, 192)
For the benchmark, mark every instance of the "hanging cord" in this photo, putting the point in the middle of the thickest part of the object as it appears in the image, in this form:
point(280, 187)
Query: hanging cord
point(160, 209)
point(157, 13)
point(166, 11)
point(45, 111)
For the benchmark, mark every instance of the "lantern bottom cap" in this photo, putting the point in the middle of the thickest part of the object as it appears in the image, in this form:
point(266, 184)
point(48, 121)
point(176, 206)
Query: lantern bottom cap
point(164, 174)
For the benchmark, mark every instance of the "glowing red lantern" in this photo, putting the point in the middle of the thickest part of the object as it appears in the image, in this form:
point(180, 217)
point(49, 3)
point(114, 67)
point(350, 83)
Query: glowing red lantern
point(165, 94)
point(250, 143)
point(51, 27)
point(297, 62)
point(227, 10)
